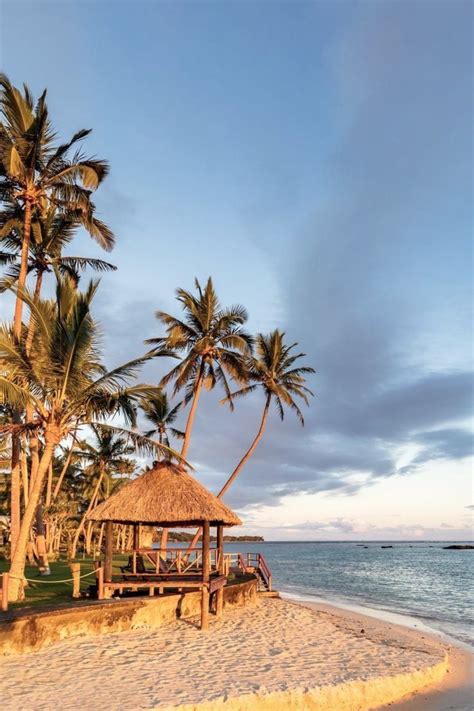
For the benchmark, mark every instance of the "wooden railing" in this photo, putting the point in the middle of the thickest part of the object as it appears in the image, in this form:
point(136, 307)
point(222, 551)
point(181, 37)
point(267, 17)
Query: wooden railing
point(181, 562)
point(265, 571)
point(174, 561)
point(234, 560)
point(251, 562)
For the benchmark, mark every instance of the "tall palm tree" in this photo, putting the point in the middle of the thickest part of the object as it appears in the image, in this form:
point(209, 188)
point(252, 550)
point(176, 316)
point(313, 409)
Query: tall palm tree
point(108, 454)
point(51, 232)
point(272, 371)
point(35, 173)
point(67, 387)
point(161, 416)
point(211, 342)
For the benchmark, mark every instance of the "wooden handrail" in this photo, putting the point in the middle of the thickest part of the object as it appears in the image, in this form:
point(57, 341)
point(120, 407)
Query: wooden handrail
point(265, 571)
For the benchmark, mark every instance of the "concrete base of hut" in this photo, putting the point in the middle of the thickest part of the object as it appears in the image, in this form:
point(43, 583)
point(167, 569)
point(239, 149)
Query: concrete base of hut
point(22, 632)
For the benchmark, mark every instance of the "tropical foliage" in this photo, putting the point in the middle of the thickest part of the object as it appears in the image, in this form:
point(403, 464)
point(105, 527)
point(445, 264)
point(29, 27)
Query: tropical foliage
point(211, 343)
point(70, 426)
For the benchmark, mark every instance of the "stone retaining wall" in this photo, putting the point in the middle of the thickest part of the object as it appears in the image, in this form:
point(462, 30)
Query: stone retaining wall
point(20, 633)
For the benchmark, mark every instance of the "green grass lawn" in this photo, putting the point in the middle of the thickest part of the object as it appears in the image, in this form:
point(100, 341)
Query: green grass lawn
point(42, 593)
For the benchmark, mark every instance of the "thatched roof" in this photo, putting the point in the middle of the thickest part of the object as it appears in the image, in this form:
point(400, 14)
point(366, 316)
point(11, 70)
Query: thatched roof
point(166, 496)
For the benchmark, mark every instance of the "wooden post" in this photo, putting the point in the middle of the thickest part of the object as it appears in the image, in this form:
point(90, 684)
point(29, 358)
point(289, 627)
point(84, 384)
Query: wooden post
point(220, 569)
point(109, 551)
point(205, 577)
point(100, 583)
point(4, 592)
point(76, 575)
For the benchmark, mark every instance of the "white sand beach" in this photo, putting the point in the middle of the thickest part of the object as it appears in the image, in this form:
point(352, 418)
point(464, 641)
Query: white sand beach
point(273, 655)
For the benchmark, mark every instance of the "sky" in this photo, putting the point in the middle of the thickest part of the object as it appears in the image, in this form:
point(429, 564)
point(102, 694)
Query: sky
point(314, 158)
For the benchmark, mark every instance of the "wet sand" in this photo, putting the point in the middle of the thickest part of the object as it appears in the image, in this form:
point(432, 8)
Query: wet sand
point(453, 692)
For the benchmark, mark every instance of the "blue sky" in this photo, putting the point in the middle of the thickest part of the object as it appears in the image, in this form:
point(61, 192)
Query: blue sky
point(316, 160)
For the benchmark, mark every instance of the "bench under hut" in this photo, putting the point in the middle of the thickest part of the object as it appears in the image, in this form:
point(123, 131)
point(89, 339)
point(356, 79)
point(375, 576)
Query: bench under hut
point(167, 496)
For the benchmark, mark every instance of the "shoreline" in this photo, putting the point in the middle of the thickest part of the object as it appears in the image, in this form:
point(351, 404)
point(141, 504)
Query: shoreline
point(455, 691)
point(384, 615)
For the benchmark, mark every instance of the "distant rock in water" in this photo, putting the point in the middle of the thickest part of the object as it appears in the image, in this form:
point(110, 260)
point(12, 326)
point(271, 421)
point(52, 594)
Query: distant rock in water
point(386, 546)
point(459, 547)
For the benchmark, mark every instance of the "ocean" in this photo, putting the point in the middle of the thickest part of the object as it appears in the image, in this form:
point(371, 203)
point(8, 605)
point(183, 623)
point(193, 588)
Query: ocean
point(416, 579)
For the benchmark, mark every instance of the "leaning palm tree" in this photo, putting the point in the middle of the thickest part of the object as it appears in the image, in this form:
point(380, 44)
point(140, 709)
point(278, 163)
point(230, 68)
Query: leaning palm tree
point(212, 345)
point(108, 454)
point(63, 381)
point(161, 416)
point(272, 371)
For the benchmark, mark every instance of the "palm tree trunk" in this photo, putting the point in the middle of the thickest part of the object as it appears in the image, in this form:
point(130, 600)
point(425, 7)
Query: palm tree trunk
point(49, 485)
point(65, 467)
point(187, 437)
point(24, 477)
point(238, 468)
point(192, 412)
point(89, 508)
point(15, 503)
point(34, 445)
point(251, 449)
point(89, 537)
point(25, 249)
point(17, 567)
point(31, 324)
point(41, 540)
point(15, 488)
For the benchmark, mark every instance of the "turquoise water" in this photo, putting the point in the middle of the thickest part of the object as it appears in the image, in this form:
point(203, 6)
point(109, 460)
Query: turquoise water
point(420, 580)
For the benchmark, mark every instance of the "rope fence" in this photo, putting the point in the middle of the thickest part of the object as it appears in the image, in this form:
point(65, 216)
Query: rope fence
point(52, 582)
point(74, 581)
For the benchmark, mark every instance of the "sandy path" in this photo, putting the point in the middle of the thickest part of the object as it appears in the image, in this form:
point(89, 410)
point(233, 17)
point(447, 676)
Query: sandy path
point(275, 646)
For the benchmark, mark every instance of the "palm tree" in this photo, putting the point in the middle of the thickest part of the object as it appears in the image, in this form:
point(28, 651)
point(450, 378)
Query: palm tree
point(36, 173)
point(212, 343)
point(270, 370)
point(66, 386)
point(107, 455)
point(159, 414)
point(52, 232)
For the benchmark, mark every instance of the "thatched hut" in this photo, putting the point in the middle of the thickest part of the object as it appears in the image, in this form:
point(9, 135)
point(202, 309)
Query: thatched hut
point(168, 496)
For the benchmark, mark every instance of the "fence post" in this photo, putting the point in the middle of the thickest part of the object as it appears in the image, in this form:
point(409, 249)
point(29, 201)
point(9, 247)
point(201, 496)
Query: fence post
point(76, 577)
point(100, 583)
point(4, 592)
